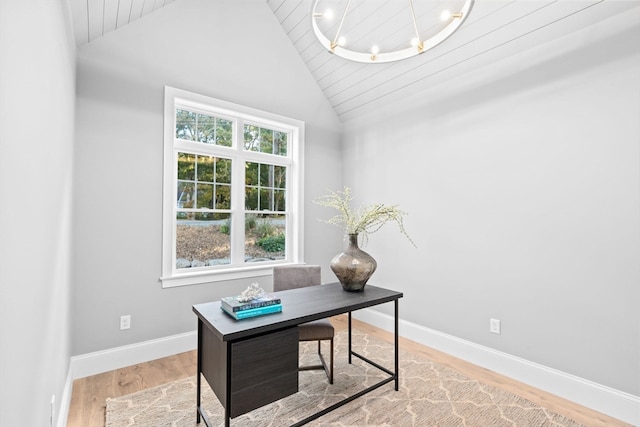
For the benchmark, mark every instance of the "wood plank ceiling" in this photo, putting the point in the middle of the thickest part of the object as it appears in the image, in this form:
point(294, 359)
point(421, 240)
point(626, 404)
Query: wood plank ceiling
point(493, 31)
point(95, 18)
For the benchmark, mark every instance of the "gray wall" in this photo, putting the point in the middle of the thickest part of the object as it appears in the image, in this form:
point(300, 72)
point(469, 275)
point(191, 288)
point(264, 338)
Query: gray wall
point(37, 78)
point(232, 50)
point(523, 195)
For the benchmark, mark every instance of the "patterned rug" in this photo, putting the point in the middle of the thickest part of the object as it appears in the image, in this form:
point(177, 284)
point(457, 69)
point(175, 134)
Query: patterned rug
point(429, 395)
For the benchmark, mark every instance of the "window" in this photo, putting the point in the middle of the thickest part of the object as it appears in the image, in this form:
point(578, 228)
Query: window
point(232, 190)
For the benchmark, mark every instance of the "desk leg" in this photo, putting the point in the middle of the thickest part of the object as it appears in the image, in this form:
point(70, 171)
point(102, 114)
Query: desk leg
point(396, 343)
point(349, 352)
point(227, 406)
point(198, 371)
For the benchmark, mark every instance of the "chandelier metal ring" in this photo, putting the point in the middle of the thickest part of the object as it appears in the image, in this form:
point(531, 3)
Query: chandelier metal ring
point(335, 43)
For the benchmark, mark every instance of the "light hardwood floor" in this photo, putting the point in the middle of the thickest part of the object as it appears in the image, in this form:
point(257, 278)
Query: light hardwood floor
point(89, 394)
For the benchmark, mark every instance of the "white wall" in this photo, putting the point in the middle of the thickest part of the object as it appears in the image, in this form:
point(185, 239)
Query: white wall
point(37, 78)
point(523, 192)
point(232, 50)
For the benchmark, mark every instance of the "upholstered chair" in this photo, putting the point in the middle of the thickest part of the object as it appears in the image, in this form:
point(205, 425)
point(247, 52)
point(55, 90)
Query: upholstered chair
point(299, 276)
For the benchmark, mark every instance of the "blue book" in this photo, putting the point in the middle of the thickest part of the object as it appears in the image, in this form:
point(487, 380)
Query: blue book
point(253, 312)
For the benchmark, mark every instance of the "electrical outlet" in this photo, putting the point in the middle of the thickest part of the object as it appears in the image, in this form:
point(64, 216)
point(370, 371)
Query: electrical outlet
point(125, 322)
point(494, 326)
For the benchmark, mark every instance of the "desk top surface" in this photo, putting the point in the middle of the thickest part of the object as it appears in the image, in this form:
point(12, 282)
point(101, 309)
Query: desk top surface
point(298, 306)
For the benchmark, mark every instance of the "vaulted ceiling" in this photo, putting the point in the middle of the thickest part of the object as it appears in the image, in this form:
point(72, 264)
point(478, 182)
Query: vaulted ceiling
point(95, 18)
point(494, 30)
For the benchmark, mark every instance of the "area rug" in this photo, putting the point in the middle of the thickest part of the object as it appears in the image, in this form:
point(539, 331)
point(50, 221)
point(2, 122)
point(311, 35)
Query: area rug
point(430, 395)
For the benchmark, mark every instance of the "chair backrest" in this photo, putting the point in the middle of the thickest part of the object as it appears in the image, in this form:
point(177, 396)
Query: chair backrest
point(295, 276)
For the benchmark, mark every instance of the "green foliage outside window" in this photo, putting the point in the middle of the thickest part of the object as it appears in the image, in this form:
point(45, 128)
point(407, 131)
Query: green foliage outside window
point(265, 229)
point(225, 227)
point(272, 243)
point(203, 128)
point(250, 222)
point(203, 182)
point(265, 140)
point(265, 187)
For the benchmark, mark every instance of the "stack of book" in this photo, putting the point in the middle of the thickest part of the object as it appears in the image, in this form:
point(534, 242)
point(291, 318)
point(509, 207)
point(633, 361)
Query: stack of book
point(265, 304)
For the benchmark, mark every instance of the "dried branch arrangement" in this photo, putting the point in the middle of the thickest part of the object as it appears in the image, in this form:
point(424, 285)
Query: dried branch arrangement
point(363, 221)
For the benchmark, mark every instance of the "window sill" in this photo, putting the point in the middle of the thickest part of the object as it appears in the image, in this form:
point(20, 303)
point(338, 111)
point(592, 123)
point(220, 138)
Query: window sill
point(200, 277)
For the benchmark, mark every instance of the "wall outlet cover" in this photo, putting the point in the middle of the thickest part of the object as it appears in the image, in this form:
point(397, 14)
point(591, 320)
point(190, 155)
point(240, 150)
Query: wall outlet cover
point(494, 326)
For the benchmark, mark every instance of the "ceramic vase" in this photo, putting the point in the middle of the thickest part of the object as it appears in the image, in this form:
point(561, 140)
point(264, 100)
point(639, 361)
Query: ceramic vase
point(353, 267)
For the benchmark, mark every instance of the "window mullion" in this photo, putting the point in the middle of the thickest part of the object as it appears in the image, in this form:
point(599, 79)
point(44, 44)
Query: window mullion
point(237, 199)
point(174, 208)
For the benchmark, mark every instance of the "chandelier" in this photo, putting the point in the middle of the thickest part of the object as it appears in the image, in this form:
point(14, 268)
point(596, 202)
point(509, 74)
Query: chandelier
point(378, 31)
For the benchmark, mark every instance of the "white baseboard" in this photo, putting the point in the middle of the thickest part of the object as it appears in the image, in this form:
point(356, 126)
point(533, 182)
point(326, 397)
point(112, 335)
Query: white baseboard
point(120, 357)
point(609, 401)
point(615, 403)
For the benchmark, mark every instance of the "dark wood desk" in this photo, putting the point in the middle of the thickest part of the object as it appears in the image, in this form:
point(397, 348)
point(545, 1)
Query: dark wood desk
point(252, 362)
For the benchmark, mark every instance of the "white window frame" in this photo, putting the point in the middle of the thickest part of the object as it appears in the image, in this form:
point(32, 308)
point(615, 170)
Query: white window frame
point(176, 98)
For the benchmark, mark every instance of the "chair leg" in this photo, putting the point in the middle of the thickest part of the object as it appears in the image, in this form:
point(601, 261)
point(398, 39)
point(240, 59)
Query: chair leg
point(328, 370)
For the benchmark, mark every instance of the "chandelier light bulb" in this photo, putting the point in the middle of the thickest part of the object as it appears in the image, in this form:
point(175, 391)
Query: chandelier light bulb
point(414, 42)
point(328, 14)
point(445, 15)
point(375, 49)
point(342, 41)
